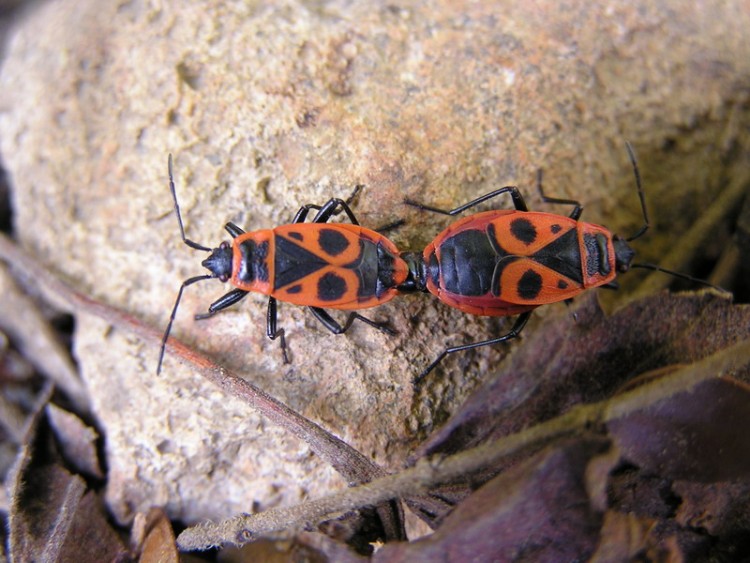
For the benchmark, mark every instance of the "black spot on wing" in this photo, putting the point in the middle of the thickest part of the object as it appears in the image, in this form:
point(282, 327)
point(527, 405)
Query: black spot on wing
point(295, 235)
point(555, 228)
point(523, 229)
point(294, 289)
point(332, 242)
point(530, 285)
point(331, 287)
point(562, 284)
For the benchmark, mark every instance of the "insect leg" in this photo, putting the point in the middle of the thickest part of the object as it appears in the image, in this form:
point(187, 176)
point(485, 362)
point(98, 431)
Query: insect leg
point(233, 230)
point(223, 302)
point(325, 212)
point(513, 333)
point(577, 209)
point(333, 207)
point(518, 202)
point(271, 329)
point(336, 328)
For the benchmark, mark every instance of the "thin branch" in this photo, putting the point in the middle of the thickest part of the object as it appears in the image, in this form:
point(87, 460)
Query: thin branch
point(354, 466)
point(32, 335)
point(428, 473)
point(348, 462)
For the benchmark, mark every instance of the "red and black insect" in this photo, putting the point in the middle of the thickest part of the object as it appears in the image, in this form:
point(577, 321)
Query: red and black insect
point(318, 264)
point(509, 262)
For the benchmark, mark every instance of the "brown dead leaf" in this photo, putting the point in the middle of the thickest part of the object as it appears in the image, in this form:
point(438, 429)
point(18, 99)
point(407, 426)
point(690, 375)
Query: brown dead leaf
point(35, 338)
point(698, 435)
point(569, 362)
point(158, 543)
point(52, 515)
point(77, 441)
point(721, 509)
point(538, 510)
point(623, 537)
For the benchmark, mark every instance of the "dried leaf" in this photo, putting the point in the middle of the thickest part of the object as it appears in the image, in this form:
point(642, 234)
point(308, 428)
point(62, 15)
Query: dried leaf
point(623, 537)
point(90, 536)
point(721, 509)
point(34, 336)
point(538, 510)
point(697, 435)
point(159, 542)
point(77, 441)
point(566, 363)
point(310, 546)
point(628, 537)
point(52, 517)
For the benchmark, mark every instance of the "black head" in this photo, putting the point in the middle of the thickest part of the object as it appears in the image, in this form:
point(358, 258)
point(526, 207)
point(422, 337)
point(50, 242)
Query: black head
point(624, 254)
point(219, 263)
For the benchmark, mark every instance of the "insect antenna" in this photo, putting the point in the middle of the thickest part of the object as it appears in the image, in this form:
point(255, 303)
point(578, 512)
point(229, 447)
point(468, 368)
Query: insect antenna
point(639, 185)
point(190, 243)
point(678, 275)
point(187, 282)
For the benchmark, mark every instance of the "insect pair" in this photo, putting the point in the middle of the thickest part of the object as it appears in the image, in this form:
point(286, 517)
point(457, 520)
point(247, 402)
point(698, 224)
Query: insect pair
point(493, 263)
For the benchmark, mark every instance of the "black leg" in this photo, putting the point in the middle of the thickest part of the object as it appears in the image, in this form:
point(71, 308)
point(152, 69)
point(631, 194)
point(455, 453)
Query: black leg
point(336, 328)
point(223, 302)
point(513, 333)
point(392, 226)
point(518, 202)
point(301, 215)
point(271, 329)
point(325, 212)
point(333, 207)
point(577, 209)
point(233, 230)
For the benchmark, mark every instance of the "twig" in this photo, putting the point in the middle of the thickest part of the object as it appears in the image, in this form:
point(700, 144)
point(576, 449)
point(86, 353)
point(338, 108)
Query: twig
point(31, 333)
point(354, 466)
point(431, 472)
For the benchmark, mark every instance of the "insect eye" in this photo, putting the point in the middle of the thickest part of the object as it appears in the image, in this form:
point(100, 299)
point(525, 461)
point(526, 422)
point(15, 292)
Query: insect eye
point(224, 278)
point(224, 245)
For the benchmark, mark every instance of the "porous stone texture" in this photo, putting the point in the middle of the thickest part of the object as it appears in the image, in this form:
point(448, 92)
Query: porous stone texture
point(268, 106)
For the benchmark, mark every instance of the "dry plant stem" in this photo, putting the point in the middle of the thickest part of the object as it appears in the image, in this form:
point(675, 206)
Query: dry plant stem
point(12, 420)
point(32, 333)
point(348, 462)
point(686, 245)
point(355, 467)
point(428, 473)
